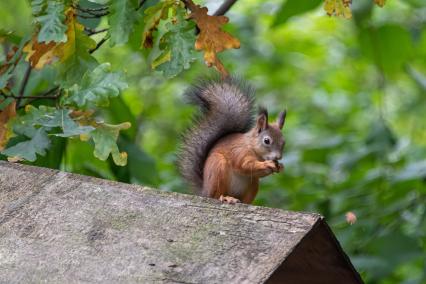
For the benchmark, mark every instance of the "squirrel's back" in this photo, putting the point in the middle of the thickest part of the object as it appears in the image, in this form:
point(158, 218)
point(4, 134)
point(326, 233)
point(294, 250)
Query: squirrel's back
point(226, 106)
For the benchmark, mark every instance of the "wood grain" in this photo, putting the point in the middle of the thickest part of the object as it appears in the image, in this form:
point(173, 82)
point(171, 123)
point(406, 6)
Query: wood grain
point(65, 228)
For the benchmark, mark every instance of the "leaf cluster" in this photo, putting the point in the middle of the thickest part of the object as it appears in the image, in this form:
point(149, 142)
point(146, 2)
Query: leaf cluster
point(63, 41)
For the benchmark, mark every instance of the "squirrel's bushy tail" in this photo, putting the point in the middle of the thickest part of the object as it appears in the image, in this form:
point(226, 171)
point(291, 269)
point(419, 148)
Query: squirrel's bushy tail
point(226, 106)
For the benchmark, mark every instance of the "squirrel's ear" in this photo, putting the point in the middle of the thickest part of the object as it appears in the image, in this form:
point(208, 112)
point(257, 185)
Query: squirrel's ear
point(281, 119)
point(262, 120)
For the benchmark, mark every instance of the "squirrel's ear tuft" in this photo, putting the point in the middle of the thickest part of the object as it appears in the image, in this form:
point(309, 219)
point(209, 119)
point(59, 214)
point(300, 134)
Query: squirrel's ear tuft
point(281, 119)
point(262, 120)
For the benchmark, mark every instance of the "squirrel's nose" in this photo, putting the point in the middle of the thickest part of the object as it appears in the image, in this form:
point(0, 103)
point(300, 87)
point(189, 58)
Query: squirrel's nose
point(277, 156)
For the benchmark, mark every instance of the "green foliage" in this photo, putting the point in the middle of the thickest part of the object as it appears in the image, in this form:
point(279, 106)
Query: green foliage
point(33, 119)
point(52, 23)
point(121, 20)
point(152, 17)
point(6, 76)
point(378, 43)
point(105, 137)
point(5, 103)
point(142, 167)
point(36, 124)
point(54, 155)
point(38, 6)
point(61, 118)
point(292, 8)
point(354, 90)
point(76, 59)
point(9, 67)
point(10, 37)
point(27, 150)
point(96, 87)
point(176, 46)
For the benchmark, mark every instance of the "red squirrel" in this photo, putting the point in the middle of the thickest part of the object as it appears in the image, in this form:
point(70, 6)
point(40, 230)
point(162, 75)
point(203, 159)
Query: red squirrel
point(227, 151)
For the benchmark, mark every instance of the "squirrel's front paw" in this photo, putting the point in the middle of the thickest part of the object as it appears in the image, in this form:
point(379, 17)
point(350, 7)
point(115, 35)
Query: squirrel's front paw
point(229, 199)
point(273, 166)
point(279, 166)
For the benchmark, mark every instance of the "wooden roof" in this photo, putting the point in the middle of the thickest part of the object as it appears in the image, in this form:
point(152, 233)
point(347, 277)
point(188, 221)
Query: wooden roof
point(61, 227)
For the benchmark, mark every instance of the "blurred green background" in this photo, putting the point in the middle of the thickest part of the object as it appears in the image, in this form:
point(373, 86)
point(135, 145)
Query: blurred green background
point(355, 91)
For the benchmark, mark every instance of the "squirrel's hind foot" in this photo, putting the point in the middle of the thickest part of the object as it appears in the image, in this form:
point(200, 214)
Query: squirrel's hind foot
point(229, 199)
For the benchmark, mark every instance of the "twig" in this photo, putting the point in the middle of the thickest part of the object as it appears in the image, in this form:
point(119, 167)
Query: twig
point(93, 31)
point(44, 96)
point(28, 97)
point(99, 44)
point(41, 95)
point(23, 85)
point(189, 4)
point(48, 92)
point(226, 5)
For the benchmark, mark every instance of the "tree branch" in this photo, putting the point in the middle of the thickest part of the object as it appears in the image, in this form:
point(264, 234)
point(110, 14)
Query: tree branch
point(45, 95)
point(48, 92)
point(226, 5)
point(188, 4)
point(99, 44)
point(93, 31)
point(23, 85)
point(28, 97)
point(39, 97)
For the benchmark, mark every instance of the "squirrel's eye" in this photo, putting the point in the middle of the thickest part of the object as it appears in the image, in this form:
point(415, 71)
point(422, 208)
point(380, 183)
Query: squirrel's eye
point(266, 140)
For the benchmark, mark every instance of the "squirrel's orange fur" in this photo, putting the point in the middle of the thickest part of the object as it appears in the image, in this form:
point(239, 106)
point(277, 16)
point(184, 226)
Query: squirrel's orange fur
point(229, 157)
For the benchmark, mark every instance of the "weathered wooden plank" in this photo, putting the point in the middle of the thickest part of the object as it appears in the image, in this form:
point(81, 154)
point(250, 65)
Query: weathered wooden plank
point(60, 227)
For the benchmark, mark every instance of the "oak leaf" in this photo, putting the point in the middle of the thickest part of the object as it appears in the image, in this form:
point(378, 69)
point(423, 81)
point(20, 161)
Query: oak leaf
point(96, 87)
point(211, 39)
point(39, 143)
point(122, 17)
point(105, 138)
point(39, 53)
point(6, 70)
point(52, 23)
point(5, 115)
point(74, 55)
point(152, 18)
point(339, 8)
point(380, 3)
point(38, 7)
point(34, 128)
point(175, 45)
